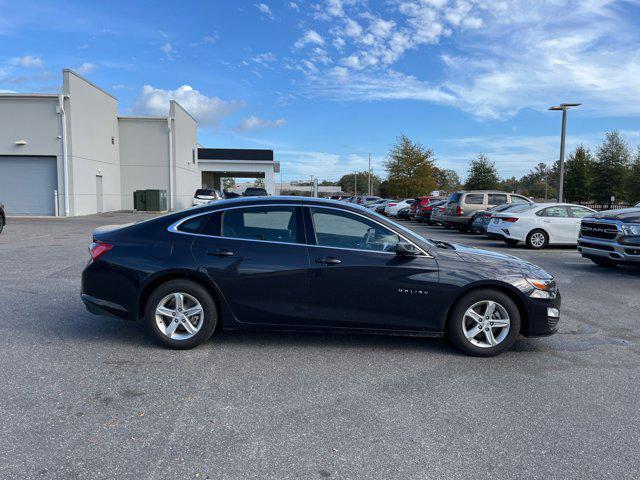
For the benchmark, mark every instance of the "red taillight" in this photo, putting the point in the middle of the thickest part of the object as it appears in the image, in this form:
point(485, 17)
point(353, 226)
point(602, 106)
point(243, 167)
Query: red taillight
point(427, 209)
point(96, 249)
point(459, 211)
point(509, 219)
point(392, 204)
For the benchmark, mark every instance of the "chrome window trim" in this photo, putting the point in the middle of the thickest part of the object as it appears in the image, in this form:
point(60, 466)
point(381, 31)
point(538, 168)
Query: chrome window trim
point(173, 228)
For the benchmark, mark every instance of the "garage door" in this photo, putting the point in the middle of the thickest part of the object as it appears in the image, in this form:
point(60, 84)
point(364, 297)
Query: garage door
point(27, 185)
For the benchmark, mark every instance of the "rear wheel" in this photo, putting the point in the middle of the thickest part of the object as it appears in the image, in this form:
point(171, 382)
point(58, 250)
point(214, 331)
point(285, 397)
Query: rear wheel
point(537, 239)
point(603, 262)
point(484, 323)
point(1, 224)
point(181, 314)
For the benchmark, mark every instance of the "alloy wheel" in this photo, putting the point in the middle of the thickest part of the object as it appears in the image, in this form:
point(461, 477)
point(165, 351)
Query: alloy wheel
point(179, 316)
point(486, 324)
point(538, 239)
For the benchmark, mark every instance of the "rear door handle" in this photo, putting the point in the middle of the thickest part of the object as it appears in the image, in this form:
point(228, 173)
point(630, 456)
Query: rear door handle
point(220, 252)
point(328, 260)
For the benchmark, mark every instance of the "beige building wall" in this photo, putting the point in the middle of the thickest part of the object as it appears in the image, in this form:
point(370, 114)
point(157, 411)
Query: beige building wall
point(186, 175)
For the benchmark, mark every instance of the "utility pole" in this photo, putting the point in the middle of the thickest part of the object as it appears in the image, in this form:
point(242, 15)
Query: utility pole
point(355, 184)
point(564, 107)
point(369, 189)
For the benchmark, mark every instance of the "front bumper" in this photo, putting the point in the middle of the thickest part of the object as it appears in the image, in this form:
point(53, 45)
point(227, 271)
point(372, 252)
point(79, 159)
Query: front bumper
point(540, 323)
point(627, 251)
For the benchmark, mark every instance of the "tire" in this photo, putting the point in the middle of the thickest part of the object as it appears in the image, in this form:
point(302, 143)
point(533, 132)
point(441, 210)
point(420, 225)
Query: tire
point(537, 239)
point(511, 242)
point(447, 227)
point(181, 338)
point(603, 262)
point(478, 345)
point(1, 224)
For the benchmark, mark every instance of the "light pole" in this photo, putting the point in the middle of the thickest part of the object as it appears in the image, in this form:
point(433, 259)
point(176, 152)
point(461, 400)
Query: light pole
point(564, 107)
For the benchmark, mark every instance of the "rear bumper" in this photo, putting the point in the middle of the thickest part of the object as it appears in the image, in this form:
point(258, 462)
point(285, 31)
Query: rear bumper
point(454, 220)
point(611, 250)
point(103, 307)
point(540, 322)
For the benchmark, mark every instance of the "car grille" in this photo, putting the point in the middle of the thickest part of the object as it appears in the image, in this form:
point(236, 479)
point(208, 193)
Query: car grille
point(607, 231)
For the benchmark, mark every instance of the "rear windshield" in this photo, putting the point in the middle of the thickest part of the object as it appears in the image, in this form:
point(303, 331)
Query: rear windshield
point(255, 190)
point(455, 197)
point(206, 192)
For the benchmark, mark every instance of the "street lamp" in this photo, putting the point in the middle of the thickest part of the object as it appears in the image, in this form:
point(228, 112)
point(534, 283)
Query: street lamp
point(564, 107)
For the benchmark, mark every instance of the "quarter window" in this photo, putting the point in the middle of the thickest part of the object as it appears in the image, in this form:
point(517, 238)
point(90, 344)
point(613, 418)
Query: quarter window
point(274, 224)
point(497, 199)
point(474, 199)
point(344, 230)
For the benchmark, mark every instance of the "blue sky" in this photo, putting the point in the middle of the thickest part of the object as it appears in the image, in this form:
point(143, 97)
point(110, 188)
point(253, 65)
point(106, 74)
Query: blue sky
point(325, 82)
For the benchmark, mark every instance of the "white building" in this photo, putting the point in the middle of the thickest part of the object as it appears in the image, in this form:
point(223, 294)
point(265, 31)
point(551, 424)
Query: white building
point(72, 154)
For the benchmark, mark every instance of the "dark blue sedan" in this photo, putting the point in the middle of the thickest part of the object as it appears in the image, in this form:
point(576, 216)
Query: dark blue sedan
point(309, 264)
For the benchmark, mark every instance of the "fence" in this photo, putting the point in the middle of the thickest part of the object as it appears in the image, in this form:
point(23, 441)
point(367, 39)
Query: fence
point(604, 206)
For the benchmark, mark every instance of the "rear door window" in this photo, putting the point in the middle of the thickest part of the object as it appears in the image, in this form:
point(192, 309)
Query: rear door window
point(519, 199)
point(580, 212)
point(497, 199)
point(556, 212)
point(272, 224)
point(474, 199)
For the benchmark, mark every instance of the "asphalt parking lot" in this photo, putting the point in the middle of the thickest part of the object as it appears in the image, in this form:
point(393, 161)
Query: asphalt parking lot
point(92, 397)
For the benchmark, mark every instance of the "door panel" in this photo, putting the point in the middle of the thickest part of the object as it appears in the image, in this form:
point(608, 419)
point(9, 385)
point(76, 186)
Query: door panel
point(264, 281)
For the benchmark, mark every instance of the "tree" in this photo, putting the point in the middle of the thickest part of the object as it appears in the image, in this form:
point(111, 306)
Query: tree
point(578, 175)
point(347, 183)
point(633, 180)
point(612, 164)
point(446, 179)
point(228, 183)
point(258, 182)
point(410, 168)
point(483, 174)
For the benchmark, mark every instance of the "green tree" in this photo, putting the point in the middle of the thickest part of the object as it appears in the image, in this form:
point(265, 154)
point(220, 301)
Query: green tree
point(348, 182)
point(578, 175)
point(228, 183)
point(612, 167)
point(482, 175)
point(446, 179)
point(633, 180)
point(410, 168)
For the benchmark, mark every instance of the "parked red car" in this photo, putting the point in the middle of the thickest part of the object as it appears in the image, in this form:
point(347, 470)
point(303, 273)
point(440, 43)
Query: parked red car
point(422, 202)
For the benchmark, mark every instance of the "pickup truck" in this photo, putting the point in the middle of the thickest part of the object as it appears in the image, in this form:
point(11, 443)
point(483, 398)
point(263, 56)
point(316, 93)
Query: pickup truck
point(611, 237)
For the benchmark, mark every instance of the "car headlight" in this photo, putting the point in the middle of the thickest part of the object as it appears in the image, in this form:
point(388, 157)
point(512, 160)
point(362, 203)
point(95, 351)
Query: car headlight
point(631, 229)
point(543, 288)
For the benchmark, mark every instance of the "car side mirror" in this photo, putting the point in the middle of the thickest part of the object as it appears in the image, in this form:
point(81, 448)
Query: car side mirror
point(406, 249)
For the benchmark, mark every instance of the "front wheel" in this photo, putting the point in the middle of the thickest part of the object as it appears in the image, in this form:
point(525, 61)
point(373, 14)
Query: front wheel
point(181, 314)
point(484, 323)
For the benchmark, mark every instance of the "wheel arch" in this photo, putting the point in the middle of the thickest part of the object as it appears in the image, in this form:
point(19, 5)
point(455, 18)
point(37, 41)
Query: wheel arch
point(512, 292)
point(162, 277)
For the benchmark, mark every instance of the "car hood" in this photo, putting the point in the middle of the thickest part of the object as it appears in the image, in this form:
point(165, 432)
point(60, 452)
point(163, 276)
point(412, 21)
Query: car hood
point(626, 215)
point(471, 254)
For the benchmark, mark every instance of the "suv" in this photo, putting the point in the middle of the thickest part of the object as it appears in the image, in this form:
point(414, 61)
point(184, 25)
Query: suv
point(205, 195)
point(461, 206)
point(365, 200)
point(255, 192)
point(611, 237)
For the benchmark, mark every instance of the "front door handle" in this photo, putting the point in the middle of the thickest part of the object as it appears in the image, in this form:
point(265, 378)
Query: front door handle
point(328, 260)
point(220, 252)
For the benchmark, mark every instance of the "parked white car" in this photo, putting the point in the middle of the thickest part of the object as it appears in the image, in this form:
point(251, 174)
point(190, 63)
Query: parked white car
point(205, 195)
point(540, 224)
point(393, 208)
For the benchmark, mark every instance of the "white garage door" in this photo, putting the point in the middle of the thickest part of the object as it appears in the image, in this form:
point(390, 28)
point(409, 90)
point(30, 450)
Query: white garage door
point(27, 185)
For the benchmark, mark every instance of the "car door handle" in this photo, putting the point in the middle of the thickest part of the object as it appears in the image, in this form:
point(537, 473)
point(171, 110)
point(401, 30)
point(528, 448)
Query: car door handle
point(328, 260)
point(220, 252)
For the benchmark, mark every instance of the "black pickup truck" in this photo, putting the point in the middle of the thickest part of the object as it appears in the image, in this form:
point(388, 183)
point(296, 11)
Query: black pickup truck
point(611, 237)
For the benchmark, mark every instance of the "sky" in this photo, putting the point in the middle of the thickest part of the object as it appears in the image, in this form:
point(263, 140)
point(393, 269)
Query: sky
point(325, 83)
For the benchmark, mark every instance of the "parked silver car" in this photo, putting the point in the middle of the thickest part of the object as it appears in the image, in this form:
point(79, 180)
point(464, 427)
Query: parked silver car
point(462, 205)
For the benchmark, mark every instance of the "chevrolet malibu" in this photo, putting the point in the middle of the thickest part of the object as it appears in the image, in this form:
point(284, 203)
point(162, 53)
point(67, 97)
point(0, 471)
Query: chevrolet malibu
point(284, 263)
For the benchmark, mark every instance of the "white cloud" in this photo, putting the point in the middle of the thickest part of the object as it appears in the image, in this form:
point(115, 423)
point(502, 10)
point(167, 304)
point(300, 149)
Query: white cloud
point(209, 111)
point(309, 37)
point(7, 91)
point(255, 123)
point(264, 9)
point(168, 49)
point(27, 62)
point(86, 68)
point(209, 39)
point(294, 6)
point(264, 58)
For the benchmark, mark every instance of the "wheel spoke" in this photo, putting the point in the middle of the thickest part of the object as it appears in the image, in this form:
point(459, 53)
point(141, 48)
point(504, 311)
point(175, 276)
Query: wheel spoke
point(474, 315)
point(500, 322)
point(472, 332)
point(491, 307)
point(491, 340)
point(171, 328)
point(179, 299)
point(189, 312)
point(167, 312)
point(189, 326)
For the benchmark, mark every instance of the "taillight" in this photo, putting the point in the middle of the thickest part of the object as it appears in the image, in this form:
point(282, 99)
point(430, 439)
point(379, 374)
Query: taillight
point(459, 211)
point(392, 204)
point(509, 219)
point(97, 249)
